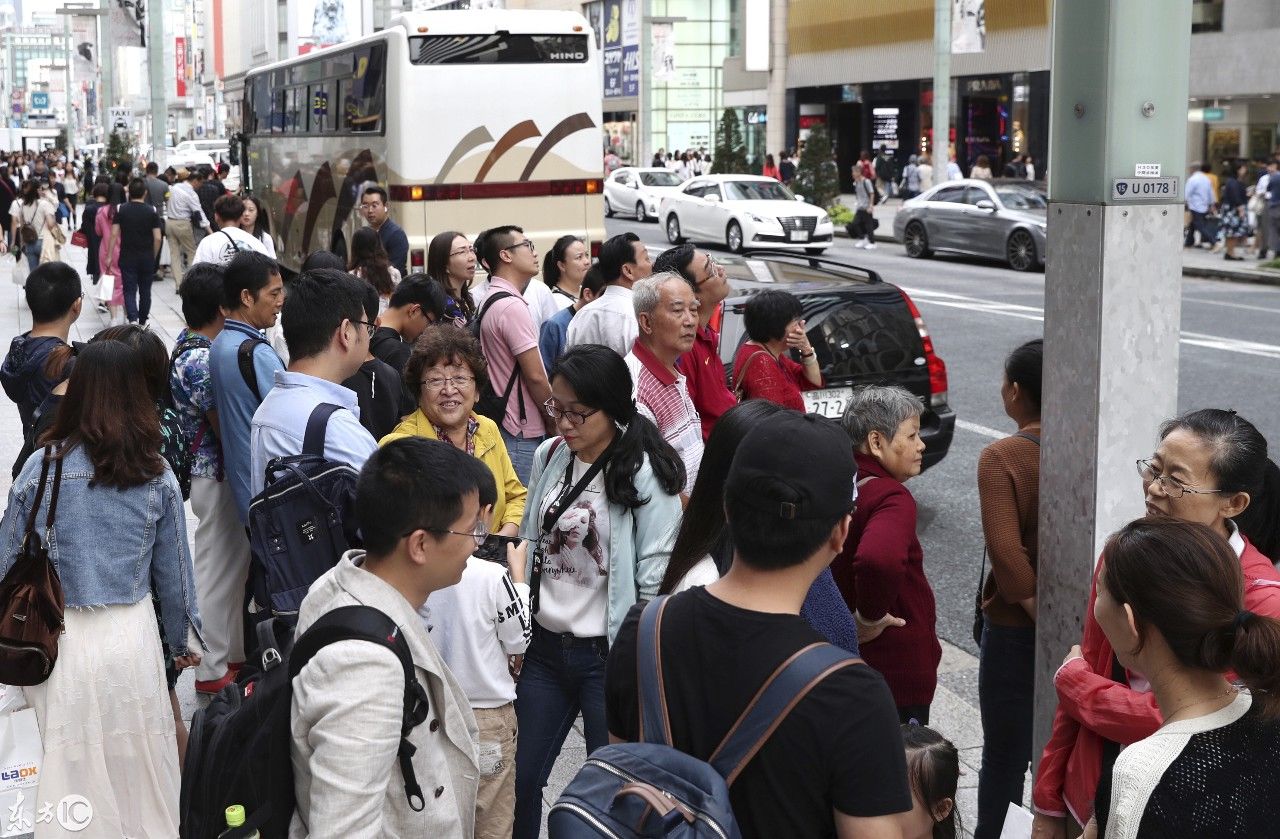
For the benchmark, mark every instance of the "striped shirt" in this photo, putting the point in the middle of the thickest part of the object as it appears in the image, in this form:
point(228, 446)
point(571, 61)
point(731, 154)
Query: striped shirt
point(663, 397)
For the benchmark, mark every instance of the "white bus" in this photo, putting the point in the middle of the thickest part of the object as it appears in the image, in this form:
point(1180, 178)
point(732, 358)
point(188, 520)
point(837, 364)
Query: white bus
point(468, 119)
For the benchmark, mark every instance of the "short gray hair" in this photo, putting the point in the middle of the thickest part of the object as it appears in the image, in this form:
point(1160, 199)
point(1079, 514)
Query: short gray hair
point(646, 293)
point(878, 408)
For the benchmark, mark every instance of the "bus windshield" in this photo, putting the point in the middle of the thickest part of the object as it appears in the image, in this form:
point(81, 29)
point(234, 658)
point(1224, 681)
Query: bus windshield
point(499, 48)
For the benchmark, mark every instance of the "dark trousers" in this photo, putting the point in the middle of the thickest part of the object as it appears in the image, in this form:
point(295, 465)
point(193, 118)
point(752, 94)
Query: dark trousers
point(1006, 684)
point(1197, 226)
point(137, 272)
point(561, 676)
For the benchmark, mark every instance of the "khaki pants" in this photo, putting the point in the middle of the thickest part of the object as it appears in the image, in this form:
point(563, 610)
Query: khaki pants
point(496, 798)
point(221, 559)
point(182, 247)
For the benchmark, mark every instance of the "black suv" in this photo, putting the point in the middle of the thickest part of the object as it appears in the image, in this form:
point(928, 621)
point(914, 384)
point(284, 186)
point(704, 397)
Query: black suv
point(865, 331)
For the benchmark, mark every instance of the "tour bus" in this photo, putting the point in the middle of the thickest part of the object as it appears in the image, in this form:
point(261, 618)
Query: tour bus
point(468, 120)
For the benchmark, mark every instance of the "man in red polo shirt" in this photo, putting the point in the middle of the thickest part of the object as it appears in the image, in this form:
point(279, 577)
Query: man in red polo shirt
point(701, 365)
point(667, 314)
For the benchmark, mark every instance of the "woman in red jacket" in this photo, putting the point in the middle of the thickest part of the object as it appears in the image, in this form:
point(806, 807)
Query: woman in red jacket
point(880, 572)
point(1210, 468)
point(763, 368)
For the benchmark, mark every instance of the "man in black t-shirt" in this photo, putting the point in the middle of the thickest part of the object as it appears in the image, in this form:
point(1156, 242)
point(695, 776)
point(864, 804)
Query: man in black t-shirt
point(834, 766)
point(137, 229)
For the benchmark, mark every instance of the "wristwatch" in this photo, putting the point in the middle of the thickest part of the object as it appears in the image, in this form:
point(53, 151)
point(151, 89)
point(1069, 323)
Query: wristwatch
point(808, 355)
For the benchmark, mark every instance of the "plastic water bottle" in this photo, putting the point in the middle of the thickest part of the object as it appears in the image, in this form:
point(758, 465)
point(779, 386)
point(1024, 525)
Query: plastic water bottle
point(235, 820)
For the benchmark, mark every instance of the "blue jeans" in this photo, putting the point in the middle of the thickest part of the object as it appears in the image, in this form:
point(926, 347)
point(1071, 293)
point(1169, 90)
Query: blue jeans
point(33, 253)
point(521, 450)
point(561, 677)
point(1006, 684)
point(137, 272)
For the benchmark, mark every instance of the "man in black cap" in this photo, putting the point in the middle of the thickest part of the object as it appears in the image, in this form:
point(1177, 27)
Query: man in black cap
point(834, 766)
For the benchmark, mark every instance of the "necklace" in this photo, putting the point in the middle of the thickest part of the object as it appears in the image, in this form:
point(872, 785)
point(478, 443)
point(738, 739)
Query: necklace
point(1230, 689)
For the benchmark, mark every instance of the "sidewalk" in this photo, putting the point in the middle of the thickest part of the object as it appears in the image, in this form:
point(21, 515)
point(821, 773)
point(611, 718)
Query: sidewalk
point(1196, 262)
point(954, 712)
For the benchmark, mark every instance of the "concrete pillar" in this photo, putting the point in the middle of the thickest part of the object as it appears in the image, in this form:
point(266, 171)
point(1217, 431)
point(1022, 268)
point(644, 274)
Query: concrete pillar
point(776, 104)
point(1112, 291)
point(941, 88)
point(156, 69)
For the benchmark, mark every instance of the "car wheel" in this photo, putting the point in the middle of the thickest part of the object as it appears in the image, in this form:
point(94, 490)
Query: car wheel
point(673, 230)
point(916, 241)
point(733, 237)
point(608, 209)
point(1021, 251)
point(640, 215)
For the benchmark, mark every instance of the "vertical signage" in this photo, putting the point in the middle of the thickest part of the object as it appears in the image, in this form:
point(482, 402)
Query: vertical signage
point(621, 42)
point(180, 65)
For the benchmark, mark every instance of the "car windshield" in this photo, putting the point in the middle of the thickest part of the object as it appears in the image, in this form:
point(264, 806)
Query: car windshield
point(757, 191)
point(1021, 198)
point(660, 179)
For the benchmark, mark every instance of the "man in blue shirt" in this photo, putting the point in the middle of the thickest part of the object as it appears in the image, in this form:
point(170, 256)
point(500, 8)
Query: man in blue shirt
point(553, 336)
point(242, 363)
point(376, 209)
point(1199, 203)
point(328, 339)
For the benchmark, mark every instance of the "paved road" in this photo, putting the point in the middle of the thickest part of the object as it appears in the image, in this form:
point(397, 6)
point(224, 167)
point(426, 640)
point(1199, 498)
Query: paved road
point(977, 311)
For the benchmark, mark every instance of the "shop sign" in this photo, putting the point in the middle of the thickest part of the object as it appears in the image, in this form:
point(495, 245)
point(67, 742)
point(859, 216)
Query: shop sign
point(884, 128)
point(984, 86)
point(613, 73)
point(631, 71)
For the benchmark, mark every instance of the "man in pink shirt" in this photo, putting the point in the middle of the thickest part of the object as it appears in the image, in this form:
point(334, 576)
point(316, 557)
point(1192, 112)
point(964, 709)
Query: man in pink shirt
point(510, 343)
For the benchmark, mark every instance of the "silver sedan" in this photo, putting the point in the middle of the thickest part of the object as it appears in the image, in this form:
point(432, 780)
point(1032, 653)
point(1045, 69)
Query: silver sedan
point(1002, 220)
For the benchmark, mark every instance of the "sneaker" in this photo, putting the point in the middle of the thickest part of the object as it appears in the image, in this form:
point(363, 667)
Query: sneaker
point(870, 246)
point(216, 685)
point(861, 243)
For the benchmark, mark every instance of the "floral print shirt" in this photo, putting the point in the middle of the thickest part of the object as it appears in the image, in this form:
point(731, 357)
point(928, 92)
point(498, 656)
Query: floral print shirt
point(192, 387)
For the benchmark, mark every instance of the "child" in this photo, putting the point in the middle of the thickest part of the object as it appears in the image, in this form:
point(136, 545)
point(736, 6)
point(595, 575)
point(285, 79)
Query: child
point(933, 765)
point(476, 625)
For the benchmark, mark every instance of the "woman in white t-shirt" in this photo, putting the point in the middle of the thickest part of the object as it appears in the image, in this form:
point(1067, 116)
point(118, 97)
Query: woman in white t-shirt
point(369, 262)
point(603, 509)
point(31, 211)
point(257, 221)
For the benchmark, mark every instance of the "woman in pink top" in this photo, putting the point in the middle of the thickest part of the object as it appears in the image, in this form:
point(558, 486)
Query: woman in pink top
point(109, 259)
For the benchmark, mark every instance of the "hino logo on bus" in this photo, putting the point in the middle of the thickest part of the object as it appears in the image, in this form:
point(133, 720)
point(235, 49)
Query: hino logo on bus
point(568, 56)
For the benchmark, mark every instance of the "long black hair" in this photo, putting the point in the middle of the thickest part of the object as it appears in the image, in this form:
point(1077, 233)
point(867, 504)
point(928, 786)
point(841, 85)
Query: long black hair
point(1025, 367)
point(601, 380)
point(551, 262)
point(702, 529)
point(1240, 463)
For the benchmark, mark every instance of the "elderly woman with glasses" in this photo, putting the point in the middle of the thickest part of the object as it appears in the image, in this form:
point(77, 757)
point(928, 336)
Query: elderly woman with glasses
point(445, 373)
point(1210, 467)
point(603, 511)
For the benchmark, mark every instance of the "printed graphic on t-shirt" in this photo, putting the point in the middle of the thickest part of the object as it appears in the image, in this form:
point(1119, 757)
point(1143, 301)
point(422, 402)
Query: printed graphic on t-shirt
point(574, 554)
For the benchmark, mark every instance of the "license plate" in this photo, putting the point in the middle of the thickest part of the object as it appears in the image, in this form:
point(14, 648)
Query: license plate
point(799, 235)
point(828, 402)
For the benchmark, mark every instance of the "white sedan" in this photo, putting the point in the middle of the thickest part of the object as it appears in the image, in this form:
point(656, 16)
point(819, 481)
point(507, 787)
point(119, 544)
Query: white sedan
point(635, 191)
point(744, 211)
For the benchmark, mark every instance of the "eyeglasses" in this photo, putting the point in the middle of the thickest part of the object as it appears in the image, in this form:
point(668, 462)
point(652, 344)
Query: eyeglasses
point(574, 417)
point(458, 382)
point(714, 269)
point(1170, 486)
point(479, 532)
point(525, 244)
point(371, 327)
point(464, 249)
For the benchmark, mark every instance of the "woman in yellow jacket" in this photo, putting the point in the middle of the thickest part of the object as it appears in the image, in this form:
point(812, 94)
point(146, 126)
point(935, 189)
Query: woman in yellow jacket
point(446, 373)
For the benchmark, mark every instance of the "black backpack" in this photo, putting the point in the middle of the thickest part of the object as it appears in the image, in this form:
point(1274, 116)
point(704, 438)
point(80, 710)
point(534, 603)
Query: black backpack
point(651, 788)
point(490, 404)
point(302, 522)
point(244, 361)
point(238, 752)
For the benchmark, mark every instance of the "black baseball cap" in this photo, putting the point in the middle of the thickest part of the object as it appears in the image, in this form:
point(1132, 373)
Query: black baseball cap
point(794, 466)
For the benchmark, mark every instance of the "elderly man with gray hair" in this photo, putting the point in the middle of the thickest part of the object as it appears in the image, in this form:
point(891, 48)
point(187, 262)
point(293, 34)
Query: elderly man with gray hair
point(667, 314)
point(880, 572)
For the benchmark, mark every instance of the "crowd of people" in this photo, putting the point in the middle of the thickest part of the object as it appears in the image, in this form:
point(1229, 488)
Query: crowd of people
point(539, 454)
point(1236, 203)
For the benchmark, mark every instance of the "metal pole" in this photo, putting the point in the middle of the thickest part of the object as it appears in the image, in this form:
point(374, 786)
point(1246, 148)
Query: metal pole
point(941, 87)
point(68, 57)
point(156, 69)
point(1112, 291)
point(106, 61)
point(642, 144)
point(776, 102)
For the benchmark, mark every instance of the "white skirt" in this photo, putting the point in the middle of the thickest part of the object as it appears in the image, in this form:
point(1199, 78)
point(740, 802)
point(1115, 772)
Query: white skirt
point(107, 729)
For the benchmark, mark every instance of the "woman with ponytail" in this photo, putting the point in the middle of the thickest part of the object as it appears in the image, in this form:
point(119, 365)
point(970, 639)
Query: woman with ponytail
point(1210, 468)
point(602, 513)
point(1170, 599)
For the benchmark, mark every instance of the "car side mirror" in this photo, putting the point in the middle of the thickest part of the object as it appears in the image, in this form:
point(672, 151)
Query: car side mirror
point(713, 198)
point(986, 204)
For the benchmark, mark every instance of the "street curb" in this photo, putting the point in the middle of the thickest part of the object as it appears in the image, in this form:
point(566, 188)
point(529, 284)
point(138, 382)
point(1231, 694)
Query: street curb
point(1229, 276)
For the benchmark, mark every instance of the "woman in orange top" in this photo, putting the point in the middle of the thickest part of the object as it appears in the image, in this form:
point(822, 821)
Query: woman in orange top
point(771, 169)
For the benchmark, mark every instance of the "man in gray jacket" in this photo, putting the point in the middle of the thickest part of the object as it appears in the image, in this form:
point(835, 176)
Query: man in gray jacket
point(419, 510)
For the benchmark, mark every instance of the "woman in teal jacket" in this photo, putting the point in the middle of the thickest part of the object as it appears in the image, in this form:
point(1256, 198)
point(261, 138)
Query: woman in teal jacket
point(603, 510)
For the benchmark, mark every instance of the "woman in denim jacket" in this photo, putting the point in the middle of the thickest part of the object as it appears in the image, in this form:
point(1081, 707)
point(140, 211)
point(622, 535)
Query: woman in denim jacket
point(605, 549)
point(119, 530)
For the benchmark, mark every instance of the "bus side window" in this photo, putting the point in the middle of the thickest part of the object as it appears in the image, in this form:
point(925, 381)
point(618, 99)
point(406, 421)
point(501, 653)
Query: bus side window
point(278, 111)
point(364, 104)
point(261, 105)
point(319, 105)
